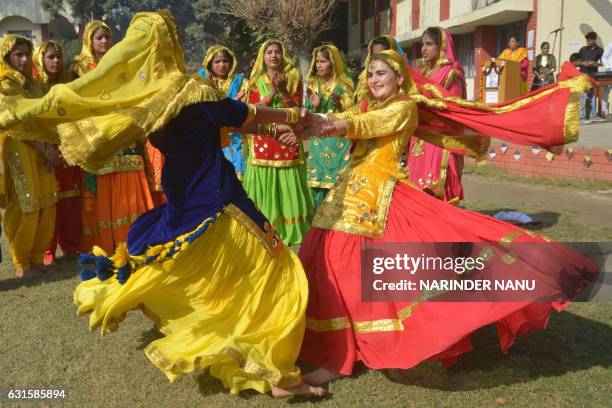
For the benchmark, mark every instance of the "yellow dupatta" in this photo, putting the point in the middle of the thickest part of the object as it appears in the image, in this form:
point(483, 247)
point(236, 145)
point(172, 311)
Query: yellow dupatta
point(13, 84)
point(362, 86)
point(339, 72)
point(138, 87)
point(222, 84)
point(87, 56)
point(518, 55)
point(38, 62)
point(288, 69)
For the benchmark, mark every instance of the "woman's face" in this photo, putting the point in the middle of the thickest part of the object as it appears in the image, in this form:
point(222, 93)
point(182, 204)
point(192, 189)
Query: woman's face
point(430, 50)
point(221, 65)
point(101, 41)
point(545, 49)
point(273, 56)
point(323, 65)
point(513, 44)
point(53, 61)
point(20, 59)
point(383, 82)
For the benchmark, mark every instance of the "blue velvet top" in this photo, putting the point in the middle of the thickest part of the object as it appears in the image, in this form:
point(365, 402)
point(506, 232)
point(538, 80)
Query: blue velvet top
point(197, 179)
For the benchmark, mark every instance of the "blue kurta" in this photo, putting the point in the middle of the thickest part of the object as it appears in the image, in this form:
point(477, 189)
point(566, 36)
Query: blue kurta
point(197, 179)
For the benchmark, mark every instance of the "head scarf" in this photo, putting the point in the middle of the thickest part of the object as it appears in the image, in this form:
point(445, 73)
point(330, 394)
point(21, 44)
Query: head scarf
point(138, 87)
point(213, 51)
point(19, 83)
point(398, 64)
point(362, 85)
point(448, 67)
point(339, 70)
point(38, 61)
point(287, 68)
point(86, 60)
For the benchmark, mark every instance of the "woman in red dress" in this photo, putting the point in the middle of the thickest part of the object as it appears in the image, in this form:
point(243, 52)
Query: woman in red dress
point(433, 168)
point(374, 202)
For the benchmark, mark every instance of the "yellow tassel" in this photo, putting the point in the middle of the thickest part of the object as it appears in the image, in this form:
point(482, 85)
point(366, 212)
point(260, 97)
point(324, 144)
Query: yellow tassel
point(184, 245)
point(97, 251)
point(169, 245)
point(168, 265)
point(154, 251)
point(121, 256)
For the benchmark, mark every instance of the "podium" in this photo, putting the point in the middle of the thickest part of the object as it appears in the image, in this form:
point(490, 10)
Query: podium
point(500, 81)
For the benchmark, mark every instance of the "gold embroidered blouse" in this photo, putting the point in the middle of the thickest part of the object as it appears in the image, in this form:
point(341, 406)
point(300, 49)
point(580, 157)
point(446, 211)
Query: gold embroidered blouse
point(360, 200)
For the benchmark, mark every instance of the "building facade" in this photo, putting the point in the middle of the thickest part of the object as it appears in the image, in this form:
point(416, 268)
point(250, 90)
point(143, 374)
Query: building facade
point(481, 28)
point(28, 18)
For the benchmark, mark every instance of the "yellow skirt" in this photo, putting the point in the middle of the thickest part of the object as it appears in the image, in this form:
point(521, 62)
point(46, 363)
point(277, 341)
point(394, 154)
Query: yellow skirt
point(226, 303)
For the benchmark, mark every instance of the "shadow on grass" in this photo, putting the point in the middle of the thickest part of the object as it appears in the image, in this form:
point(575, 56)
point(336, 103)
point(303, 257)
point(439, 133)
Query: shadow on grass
point(16, 283)
point(571, 343)
point(149, 337)
point(209, 385)
point(542, 219)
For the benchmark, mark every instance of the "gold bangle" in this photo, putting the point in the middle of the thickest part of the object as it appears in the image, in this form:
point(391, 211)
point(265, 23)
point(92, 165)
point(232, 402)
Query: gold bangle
point(292, 116)
point(251, 114)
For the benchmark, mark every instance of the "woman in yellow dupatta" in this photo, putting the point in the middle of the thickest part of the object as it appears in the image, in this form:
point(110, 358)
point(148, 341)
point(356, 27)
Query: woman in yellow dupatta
point(29, 189)
point(48, 68)
point(330, 90)
point(97, 40)
point(118, 193)
point(517, 54)
point(275, 176)
point(219, 65)
point(207, 268)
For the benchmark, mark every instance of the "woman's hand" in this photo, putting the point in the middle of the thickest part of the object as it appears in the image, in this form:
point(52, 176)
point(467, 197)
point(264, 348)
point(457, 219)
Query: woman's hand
point(336, 101)
point(287, 136)
point(315, 100)
point(280, 82)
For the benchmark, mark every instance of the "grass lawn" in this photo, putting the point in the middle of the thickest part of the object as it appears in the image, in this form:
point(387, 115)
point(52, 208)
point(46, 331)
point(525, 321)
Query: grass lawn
point(44, 344)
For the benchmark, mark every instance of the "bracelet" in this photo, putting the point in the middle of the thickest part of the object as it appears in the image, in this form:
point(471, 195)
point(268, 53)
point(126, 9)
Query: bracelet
point(270, 129)
point(328, 129)
point(292, 116)
point(251, 114)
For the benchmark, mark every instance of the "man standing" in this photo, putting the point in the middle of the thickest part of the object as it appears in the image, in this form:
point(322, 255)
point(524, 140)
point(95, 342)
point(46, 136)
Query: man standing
point(606, 61)
point(590, 57)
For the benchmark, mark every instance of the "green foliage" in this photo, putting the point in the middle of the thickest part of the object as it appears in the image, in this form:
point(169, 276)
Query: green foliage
point(198, 24)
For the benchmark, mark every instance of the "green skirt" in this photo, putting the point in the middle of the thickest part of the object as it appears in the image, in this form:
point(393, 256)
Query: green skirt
point(283, 197)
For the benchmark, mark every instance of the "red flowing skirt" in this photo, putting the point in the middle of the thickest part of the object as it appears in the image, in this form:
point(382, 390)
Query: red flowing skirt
point(342, 329)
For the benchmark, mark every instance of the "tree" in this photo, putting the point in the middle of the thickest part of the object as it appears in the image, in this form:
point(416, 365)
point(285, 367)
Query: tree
point(199, 27)
point(208, 28)
point(297, 22)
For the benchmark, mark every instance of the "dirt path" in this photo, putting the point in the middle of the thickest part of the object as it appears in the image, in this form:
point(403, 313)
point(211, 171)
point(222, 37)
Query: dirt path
point(592, 208)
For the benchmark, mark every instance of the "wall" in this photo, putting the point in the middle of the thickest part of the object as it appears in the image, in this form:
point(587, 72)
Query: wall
point(579, 17)
point(574, 163)
point(16, 23)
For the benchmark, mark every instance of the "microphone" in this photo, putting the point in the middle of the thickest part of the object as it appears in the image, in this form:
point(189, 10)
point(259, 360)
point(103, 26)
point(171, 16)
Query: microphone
point(557, 30)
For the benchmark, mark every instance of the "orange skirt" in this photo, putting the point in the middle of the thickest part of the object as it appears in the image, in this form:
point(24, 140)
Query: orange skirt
point(122, 197)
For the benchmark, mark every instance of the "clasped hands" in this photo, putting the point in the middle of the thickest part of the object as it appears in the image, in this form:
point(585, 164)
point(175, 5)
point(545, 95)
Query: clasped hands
point(308, 125)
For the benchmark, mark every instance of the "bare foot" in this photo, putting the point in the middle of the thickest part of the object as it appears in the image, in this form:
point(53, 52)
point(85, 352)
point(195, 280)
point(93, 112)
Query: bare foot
point(321, 376)
point(29, 273)
point(302, 389)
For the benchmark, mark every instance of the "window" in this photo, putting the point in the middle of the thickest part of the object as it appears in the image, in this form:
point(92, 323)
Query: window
point(504, 32)
point(464, 47)
point(370, 8)
point(354, 11)
point(24, 33)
